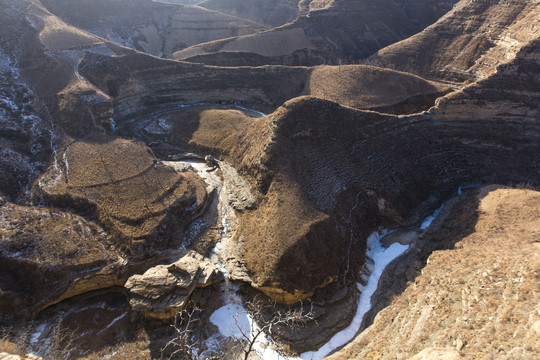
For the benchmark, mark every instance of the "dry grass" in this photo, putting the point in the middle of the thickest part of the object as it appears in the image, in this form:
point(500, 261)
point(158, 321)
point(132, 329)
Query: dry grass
point(364, 87)
point(121, 180)
point(481, 297)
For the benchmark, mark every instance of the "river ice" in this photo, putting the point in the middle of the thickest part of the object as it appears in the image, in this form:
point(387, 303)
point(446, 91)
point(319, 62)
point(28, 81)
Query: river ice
point(381, 258)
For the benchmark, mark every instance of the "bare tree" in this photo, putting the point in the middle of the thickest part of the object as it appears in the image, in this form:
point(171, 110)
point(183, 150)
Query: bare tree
point(184, 324)
point(266, 320)
point(265, 317)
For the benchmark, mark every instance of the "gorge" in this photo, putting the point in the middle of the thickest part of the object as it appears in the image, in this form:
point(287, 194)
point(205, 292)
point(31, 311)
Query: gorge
point(163, 156)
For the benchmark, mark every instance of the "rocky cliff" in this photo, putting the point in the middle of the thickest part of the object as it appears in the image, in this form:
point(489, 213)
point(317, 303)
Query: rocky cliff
point(338, 32)
point(468, 43)
point(87, 200)
point(477, 297)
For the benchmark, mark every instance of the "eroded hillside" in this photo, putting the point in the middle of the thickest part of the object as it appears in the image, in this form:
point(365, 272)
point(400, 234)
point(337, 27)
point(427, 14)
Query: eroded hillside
point(133, 187)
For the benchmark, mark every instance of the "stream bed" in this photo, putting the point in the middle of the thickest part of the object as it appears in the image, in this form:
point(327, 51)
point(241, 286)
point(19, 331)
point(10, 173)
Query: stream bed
point(233, 320)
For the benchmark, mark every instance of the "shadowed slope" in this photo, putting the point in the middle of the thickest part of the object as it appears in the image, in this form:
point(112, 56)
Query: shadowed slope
point(341, 31)
point(478, 299)
point(156, 28)
point(467, 43)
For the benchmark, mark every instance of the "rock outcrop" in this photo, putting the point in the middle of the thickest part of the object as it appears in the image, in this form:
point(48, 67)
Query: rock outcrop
point(343, 151)
point(165, 289)
point(468, 43)
point(477, 297)
point(336, 32)
point(50, 255)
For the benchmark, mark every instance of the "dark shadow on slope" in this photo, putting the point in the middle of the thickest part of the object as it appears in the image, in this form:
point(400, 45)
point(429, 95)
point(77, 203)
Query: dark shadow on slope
point(454, 223)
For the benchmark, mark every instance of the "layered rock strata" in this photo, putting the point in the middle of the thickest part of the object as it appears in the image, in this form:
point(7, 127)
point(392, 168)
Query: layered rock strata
point(119, 183)
point(477, 297)
point(50, 255)
point(334, 32)
point(163, 290)
point(157, 28)
point(468, 43)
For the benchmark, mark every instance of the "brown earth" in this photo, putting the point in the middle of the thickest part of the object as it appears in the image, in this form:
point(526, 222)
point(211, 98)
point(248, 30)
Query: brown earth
point(466, 44)
point(121, 184)
point(48, 255)
point(478, 298)
point(153, 27)
point(338, 31)
point(373, 88)
point(325, 174)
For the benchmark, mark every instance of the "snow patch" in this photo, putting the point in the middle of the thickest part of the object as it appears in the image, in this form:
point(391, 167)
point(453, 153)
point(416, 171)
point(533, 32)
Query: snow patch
point(37, 333)
point(428, 220)
point(113, 322)
point(232, 321)
point(381, 257)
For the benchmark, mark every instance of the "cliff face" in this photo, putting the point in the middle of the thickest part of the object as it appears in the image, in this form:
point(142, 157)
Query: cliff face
point(477, 297)
point(339, 32)
point(315, 163)
point(466, 44)
point(48, 256)
point(140, 84)
point(343, 151)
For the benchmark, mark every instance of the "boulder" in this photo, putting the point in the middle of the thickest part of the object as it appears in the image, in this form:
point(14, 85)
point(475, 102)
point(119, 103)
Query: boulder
point(164, 289)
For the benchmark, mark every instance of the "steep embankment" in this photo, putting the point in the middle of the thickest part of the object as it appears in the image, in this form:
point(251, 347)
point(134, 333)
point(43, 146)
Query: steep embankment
point(479, 297)
point(340, 31)
point(405, 163)
point(141, 84)
point(468, 43)
point(153, 27)
point(319, 175)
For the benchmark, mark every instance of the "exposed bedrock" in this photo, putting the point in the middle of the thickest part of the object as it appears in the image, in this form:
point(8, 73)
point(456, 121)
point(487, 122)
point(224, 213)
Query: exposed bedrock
point(133, 210)
point(386, 170)
point(330, 175)
point(49, 255)
point(476, 296)
point(140, 83)
point(141, 86)
point(165, 289)
point(331, 33)
point(327, 175)
point(157, 28)
point(468, 43)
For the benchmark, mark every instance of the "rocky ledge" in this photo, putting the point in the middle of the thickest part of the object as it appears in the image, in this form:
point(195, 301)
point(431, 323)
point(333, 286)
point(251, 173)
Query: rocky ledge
point(164, 289)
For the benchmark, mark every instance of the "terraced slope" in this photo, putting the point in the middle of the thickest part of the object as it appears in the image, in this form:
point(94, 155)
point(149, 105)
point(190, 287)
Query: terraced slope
point(332, 33)
point(153, 27)
point(468, 43)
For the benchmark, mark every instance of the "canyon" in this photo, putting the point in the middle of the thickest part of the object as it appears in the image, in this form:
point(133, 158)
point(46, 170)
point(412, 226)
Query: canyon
point(160, 157)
